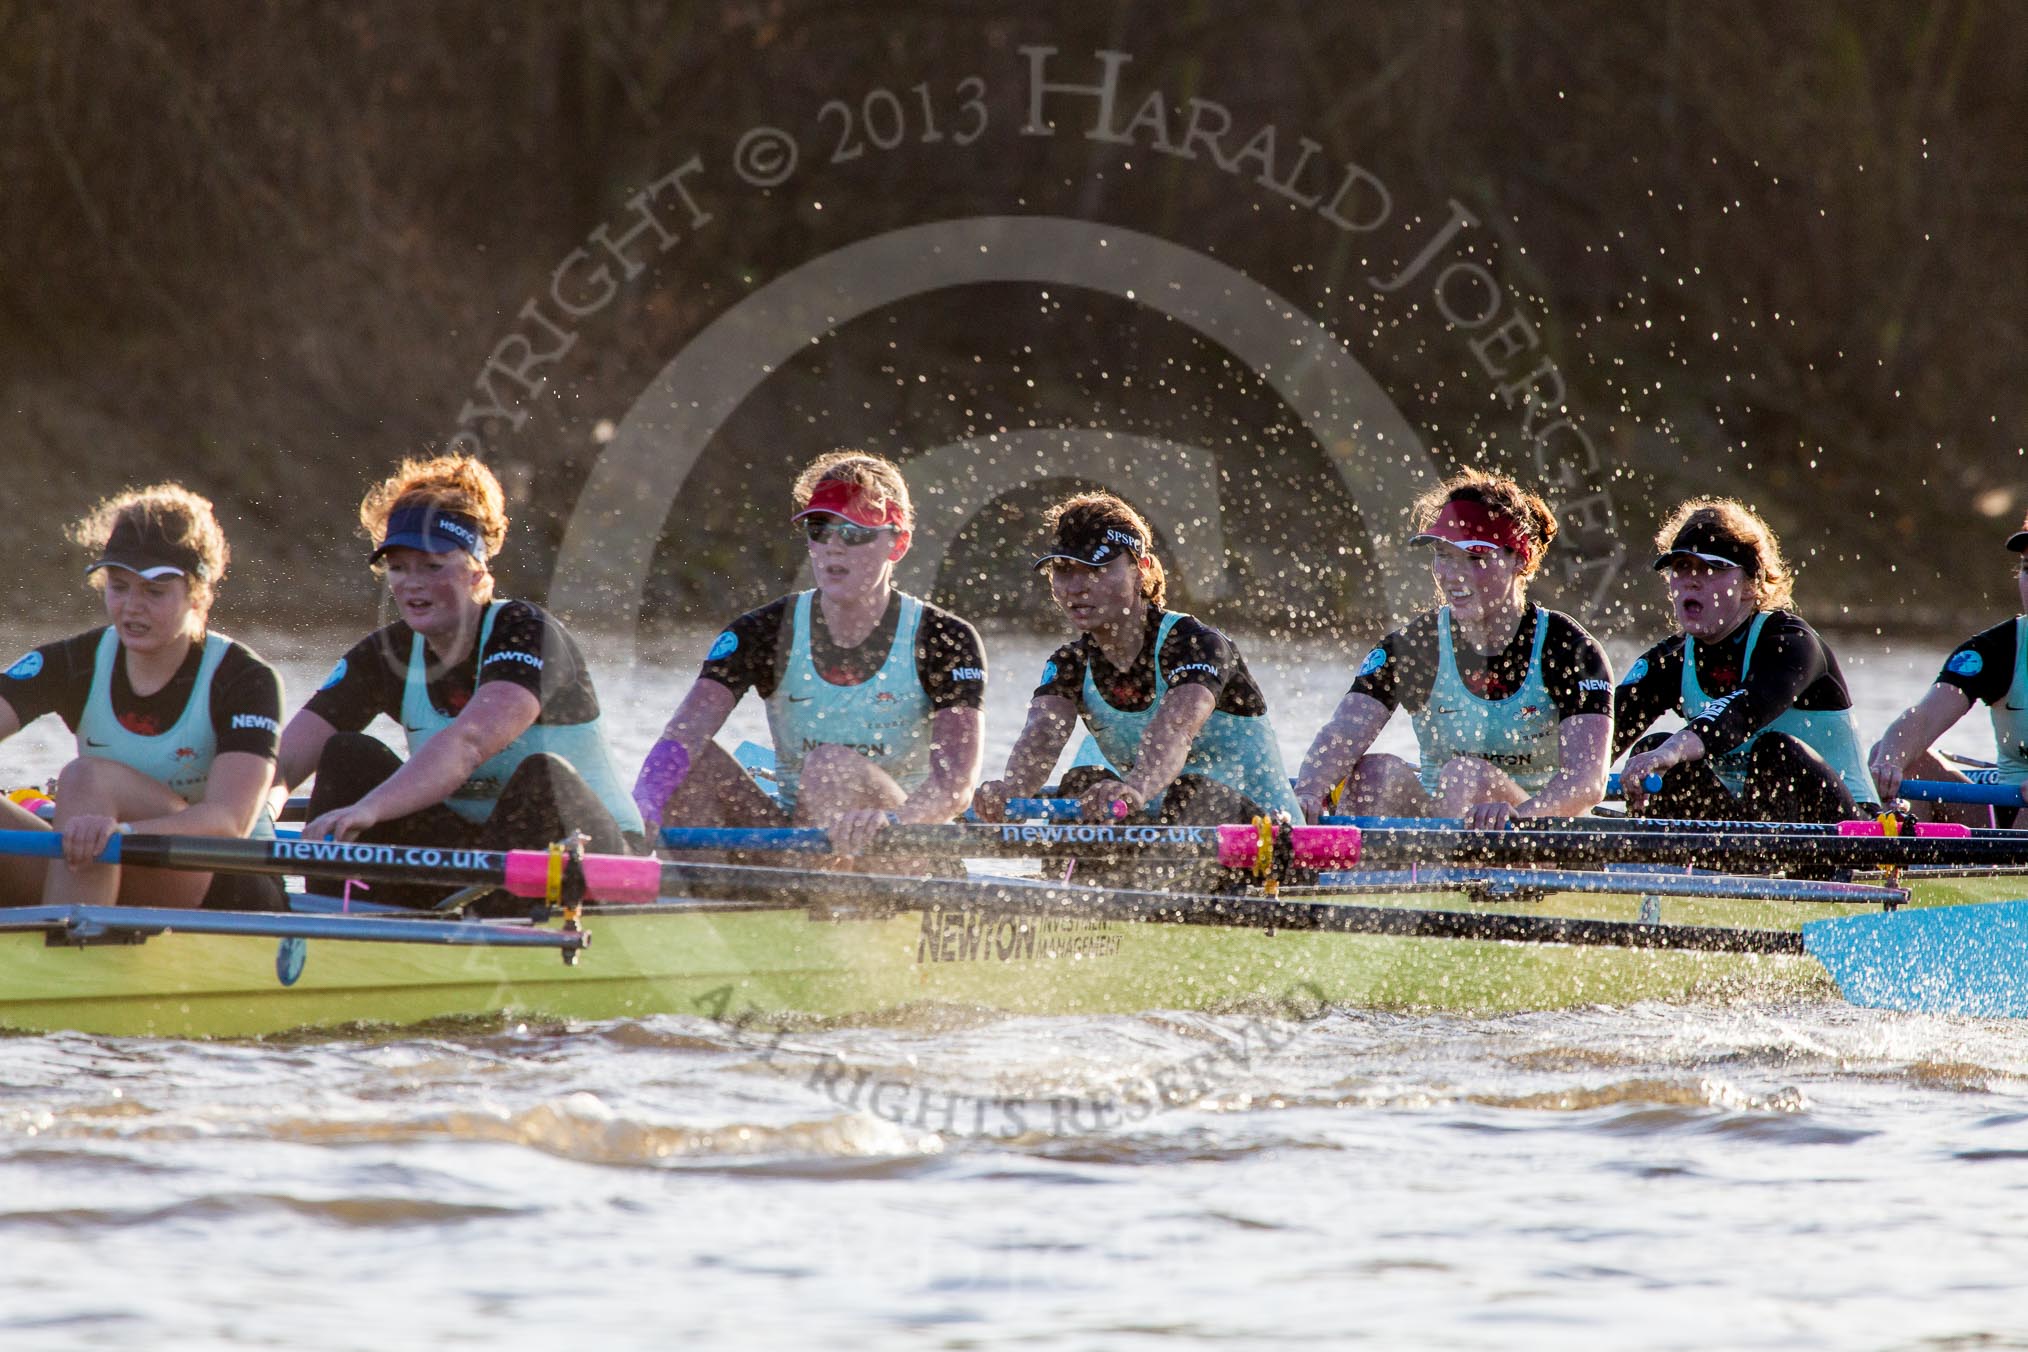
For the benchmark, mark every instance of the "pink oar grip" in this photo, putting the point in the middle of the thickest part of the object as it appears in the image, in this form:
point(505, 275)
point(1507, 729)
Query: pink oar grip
point(1942, 830)
point(607, 877)
point(1312, 846)
point(1325, 846)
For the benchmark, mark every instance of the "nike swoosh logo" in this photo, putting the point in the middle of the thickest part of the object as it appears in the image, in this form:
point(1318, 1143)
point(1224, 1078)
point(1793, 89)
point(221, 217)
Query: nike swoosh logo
point(90, 742)
point(799, 699)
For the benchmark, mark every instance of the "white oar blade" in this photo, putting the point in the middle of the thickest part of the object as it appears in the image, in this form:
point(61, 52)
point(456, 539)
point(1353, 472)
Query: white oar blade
point(1931, 960)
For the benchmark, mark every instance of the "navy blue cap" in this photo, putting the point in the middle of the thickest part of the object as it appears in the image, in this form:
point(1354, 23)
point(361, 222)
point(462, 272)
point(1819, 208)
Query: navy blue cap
point(433, 530)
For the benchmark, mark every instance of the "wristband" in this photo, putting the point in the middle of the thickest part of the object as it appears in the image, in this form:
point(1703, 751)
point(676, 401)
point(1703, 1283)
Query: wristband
point(123, 828)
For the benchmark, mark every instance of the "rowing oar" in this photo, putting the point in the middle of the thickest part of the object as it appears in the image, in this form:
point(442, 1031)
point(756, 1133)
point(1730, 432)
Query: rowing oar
point(89, 924)
point(1235, 846)
point(557, 874)
point(1048, 901)
point(1933, 960)
point(1679, 825)
point(1915, 790)
point(1501, 883)
point(1854, 845)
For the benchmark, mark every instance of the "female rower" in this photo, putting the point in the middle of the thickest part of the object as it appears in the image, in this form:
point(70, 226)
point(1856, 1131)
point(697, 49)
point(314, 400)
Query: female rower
point(874, 698)
point(1770, 735)
point(1990, 666)
point(1512, 703)
point(504, 736)
point(1167, 698)
point(175, 724)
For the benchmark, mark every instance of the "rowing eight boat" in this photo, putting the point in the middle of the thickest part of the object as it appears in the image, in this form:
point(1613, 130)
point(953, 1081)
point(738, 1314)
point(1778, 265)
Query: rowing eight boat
point(859, 948)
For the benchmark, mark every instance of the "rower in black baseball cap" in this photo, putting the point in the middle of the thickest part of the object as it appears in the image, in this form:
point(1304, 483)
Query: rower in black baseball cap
point(1770, 734)
point(1180, 724)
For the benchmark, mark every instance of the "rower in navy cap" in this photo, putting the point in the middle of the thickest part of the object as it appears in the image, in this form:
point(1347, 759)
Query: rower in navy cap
point(505, 737)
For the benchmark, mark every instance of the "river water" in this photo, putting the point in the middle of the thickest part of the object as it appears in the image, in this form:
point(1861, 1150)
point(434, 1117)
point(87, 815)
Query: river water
point(1791, 1175)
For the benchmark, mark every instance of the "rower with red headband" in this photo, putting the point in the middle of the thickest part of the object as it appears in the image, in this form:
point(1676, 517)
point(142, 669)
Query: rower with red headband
point(874, 698)
point(506, 741)
point(1770, 735)
point(1511, 702)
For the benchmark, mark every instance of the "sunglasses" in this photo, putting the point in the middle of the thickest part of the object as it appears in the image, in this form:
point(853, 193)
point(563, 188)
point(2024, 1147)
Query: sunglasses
point(822, 528)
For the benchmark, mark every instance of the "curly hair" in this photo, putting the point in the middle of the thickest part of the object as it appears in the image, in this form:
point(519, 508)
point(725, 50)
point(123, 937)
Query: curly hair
point(179, 515)
point(1100, 511)
point(1774, 582)
point(458, 483)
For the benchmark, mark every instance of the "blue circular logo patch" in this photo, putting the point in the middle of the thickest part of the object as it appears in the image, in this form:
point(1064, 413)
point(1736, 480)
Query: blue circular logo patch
point(337, 675)
point(1375, 660)
point(727, 644)
point(1635, 672)
point(1048, 672)
point(26, 667)
point(1965, 663)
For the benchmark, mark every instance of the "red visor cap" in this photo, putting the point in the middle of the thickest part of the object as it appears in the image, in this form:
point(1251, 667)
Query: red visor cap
point(836, 497)
point(1470, 525)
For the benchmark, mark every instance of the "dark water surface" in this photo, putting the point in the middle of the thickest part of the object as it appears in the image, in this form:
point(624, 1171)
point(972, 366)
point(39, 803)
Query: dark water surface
point(1782, 1176)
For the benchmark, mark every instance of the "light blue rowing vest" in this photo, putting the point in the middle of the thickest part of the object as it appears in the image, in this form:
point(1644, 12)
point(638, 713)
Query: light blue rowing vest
point(885, 718)
point(2010, 716)
point(1237, 751)
point(180, 757)
point(581, 744)
point(1831, 733)
point(1517, 734)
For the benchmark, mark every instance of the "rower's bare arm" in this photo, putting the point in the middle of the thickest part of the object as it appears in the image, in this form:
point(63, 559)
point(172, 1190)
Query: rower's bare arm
point(1913, 733)
point(302, 746)
point(233, 798)
point(957, 744)
point(1338, 747)
point(699, 717)
point(497, 714)
point(1584, 745)
point(1166, 744)
point(10, 722)
point(1050, 720)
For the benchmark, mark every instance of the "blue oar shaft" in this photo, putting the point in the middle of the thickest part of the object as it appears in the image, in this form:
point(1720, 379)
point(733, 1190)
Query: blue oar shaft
point(1708, 885)
point(1949, 791)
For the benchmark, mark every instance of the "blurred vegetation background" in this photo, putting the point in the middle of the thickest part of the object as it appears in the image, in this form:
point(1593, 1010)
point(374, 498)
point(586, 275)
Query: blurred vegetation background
point(266, 248)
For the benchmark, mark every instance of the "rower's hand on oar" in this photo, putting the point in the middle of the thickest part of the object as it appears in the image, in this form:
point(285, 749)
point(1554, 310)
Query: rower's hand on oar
point(1103, 801)
point(853, 833)
point(1489, 816)
point(1887, 774)
point(989, 800)
point(85, 839)
point(346, 823)
point(1635, 774)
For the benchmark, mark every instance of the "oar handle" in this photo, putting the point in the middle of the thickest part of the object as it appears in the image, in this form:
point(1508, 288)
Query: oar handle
point(1652, 783)
point(1949, 791)
point(1047, 809)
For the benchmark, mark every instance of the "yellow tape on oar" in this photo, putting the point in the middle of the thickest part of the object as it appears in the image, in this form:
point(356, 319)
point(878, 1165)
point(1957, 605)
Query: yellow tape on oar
point(1264, 857)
